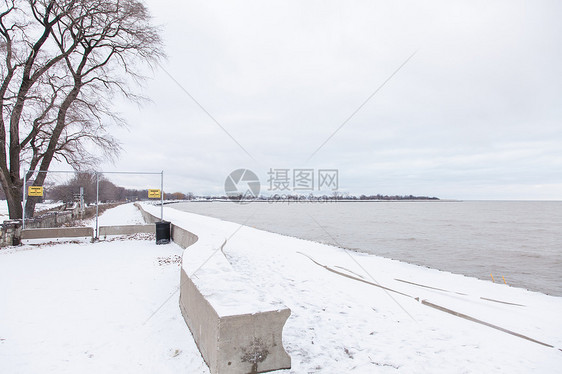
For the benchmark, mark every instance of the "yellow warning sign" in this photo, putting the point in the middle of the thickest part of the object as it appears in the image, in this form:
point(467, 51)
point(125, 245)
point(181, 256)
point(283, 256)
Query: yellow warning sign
point(35, 191)
point(153, 194)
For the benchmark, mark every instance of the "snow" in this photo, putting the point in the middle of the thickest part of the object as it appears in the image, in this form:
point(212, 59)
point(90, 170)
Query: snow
point(39, 207)
point(113, 307)
point(343, 325)
point(225, 289)
point(126, 214)
point(94, 308)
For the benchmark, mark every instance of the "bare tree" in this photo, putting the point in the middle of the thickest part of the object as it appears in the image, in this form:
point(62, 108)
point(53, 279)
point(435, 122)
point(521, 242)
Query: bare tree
point(108, 191)
point(65, 61)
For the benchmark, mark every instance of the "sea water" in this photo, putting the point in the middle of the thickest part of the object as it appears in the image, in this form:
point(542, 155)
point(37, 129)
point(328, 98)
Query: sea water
point(520, 241)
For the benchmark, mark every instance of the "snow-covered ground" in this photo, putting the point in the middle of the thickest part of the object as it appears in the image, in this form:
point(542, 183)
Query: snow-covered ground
point(126, 214)
point(113, 307)
point(40, 207)
point(108, 307)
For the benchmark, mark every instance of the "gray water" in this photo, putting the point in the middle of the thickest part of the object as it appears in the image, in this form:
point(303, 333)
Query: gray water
point(520, 240)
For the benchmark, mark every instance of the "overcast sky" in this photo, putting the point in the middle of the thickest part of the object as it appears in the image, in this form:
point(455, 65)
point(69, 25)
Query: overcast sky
point(476, 113)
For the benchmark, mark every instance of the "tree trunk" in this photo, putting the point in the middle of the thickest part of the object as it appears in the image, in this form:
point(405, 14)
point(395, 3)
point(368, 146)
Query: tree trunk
point(13, 197)
point(30, 206)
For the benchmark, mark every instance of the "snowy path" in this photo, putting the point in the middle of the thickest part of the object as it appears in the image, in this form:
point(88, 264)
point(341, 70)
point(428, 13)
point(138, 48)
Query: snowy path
point(126, 214)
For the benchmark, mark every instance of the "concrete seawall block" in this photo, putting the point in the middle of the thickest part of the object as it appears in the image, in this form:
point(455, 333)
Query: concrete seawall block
point(127, 229)
point(235, 332)
point(240, 343)
point(183, 237)
point(57, 232)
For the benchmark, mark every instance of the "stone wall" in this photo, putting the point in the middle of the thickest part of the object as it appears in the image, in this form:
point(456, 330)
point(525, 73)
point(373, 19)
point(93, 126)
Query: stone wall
point(10, 231)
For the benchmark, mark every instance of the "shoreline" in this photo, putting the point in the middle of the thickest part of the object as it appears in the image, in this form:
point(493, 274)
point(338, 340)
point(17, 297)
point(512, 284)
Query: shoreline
point(275, 262)
point(476, 246)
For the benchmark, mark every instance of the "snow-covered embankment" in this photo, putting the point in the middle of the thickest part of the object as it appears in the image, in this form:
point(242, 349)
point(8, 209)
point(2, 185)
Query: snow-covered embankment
point(339, 324)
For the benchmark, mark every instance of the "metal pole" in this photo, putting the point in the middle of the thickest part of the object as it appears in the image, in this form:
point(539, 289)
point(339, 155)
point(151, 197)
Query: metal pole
point(23, 201)
point(162, 196)
point(97, 202)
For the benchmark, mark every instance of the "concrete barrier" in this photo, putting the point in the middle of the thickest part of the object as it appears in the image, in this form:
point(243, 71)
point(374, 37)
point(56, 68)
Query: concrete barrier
point(127, 230)
point(147, 216)
point(57, 232)
point(183, 237)
point(237, 328)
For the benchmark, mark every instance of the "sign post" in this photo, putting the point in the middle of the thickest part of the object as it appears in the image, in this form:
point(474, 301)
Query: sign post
point(23, 203)
point(97, 203)
point(154, 193)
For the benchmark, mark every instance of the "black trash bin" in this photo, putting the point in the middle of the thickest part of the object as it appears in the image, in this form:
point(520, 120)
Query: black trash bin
point(162, 232)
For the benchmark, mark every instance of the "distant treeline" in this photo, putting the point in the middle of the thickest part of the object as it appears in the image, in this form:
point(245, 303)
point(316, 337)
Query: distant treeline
point(108, 191)
point(394, 197)
point(333, 197)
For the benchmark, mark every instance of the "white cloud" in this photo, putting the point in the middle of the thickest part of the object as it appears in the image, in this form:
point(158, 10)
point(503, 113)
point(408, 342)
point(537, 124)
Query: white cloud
point(476, 112)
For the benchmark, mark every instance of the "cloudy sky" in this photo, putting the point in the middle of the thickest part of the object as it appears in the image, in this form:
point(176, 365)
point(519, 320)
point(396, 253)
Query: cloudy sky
point(471, 107)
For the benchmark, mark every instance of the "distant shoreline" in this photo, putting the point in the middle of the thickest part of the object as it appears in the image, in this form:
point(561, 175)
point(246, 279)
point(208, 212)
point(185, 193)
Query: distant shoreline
point(247, 201)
